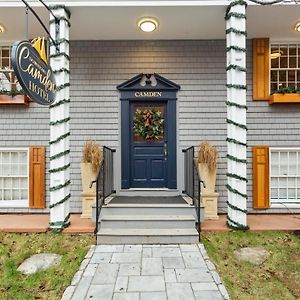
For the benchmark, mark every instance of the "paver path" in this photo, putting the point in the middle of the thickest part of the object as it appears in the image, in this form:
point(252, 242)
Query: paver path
point(146, 272)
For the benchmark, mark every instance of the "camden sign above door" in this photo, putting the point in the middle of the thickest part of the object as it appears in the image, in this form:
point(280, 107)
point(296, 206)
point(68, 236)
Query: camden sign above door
point(33, 72)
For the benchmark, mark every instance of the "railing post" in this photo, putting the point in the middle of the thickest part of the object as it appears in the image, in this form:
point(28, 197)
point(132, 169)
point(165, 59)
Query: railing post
point(97, 200)
point(193, 174)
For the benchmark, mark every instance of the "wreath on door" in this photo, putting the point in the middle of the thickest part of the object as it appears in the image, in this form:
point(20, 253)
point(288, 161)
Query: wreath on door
point(148, 123)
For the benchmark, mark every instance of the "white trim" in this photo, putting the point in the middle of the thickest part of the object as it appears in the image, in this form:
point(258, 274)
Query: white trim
point(284, 40)
point(7, 43)
point(285, 205)
point(284, 149)
point(120, 3)
point(17, 203)
point(132, 3)
point(279, 204)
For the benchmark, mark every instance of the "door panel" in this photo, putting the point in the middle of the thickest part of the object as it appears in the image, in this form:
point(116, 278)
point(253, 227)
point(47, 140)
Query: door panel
point(148, 156)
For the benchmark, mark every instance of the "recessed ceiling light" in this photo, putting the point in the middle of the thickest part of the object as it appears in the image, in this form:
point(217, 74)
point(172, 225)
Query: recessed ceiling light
point(297, 27)
point(147, 24)
point(2, 28)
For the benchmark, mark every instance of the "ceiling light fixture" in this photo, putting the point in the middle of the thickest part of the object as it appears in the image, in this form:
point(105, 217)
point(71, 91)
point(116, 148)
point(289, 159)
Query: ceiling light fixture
point(147, 24)
point(276, 54)
point(297, 27)
point(2, 28)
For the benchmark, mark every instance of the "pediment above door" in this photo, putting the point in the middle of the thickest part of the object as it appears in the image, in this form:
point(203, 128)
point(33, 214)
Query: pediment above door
point(148, 86)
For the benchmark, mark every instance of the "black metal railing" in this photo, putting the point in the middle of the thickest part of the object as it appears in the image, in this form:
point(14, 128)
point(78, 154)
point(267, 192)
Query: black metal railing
point(104, 181)
point(192, 182)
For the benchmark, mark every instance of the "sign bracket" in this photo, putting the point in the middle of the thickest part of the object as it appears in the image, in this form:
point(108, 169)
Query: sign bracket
point(43, 25)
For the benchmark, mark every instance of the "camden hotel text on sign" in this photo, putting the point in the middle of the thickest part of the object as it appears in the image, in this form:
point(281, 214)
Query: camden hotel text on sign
point(35, 76)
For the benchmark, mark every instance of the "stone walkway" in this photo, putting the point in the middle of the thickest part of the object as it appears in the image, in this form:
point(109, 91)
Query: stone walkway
point(146, 272)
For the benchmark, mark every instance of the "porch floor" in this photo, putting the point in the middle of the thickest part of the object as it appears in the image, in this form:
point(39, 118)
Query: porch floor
point(258, 222)
point(39, 223)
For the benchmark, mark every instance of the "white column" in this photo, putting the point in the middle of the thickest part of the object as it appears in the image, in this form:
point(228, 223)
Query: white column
point(59, 124)
point(236, 115)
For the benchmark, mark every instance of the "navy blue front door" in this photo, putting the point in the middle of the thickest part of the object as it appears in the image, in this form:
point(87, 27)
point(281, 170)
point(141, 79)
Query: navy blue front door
point(149, 156)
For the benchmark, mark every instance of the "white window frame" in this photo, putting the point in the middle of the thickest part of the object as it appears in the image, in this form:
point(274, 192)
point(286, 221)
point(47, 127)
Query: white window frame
point(277, 204)
point(17, 203)
point(8, 44)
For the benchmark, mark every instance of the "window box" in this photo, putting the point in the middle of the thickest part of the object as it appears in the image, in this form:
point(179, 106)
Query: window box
point(14, 100)
point(284, 98)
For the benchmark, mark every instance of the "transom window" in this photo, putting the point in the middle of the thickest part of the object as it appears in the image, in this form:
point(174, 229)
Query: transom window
point(285, 66)
point(285, 175)
point(14, 177)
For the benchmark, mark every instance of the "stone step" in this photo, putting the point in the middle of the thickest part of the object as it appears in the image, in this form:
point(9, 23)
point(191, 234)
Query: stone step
point(148, 192)
point(147, 236)
point(147, 221)
point(148, 209)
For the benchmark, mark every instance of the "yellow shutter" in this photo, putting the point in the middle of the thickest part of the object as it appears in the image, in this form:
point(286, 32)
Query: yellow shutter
point(37, 184)
point(261, 69)
point(261, 178)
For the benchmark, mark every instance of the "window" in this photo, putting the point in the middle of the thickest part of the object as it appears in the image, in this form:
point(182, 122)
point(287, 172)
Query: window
point(285, 66)
point(14, 177)
point(8, 79)
point(284, 176)
point(276, 67)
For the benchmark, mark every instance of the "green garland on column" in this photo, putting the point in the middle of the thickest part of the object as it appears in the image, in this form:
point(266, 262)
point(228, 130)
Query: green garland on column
point(236, 48)
point(63, 101)
point(59, 122)
point(236, 67)
point(235, 176)
point(60, 138)
point(59, 41)
point(60, 186)
point(238, 226)
point(59, 226)
point(229, 14)
point(65, 167)
point(60, 154)
point(242, 126)
point(230, 103)
point(61, 70)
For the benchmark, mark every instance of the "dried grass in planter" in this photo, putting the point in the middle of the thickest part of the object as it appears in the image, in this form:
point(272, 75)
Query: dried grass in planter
point(208, 154)
point(92, 153)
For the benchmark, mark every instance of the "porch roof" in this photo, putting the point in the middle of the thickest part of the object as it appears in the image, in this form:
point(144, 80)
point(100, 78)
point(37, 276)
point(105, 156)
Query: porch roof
point(117, 20)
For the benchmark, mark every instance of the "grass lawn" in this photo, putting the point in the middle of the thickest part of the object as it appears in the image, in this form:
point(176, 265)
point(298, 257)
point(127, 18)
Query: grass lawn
point(50, 284)
point(277, 278)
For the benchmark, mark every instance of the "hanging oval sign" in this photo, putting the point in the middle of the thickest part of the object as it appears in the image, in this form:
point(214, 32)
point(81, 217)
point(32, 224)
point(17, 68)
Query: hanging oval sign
point(34, 74)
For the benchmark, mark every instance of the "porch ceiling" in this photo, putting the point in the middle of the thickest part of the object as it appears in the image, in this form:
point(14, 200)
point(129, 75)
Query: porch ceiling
point(175, 22)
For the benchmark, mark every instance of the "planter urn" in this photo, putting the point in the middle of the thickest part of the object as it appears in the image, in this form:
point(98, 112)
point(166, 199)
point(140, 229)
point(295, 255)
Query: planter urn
point(208, 176)
point(209, 197)
point(88, 194)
